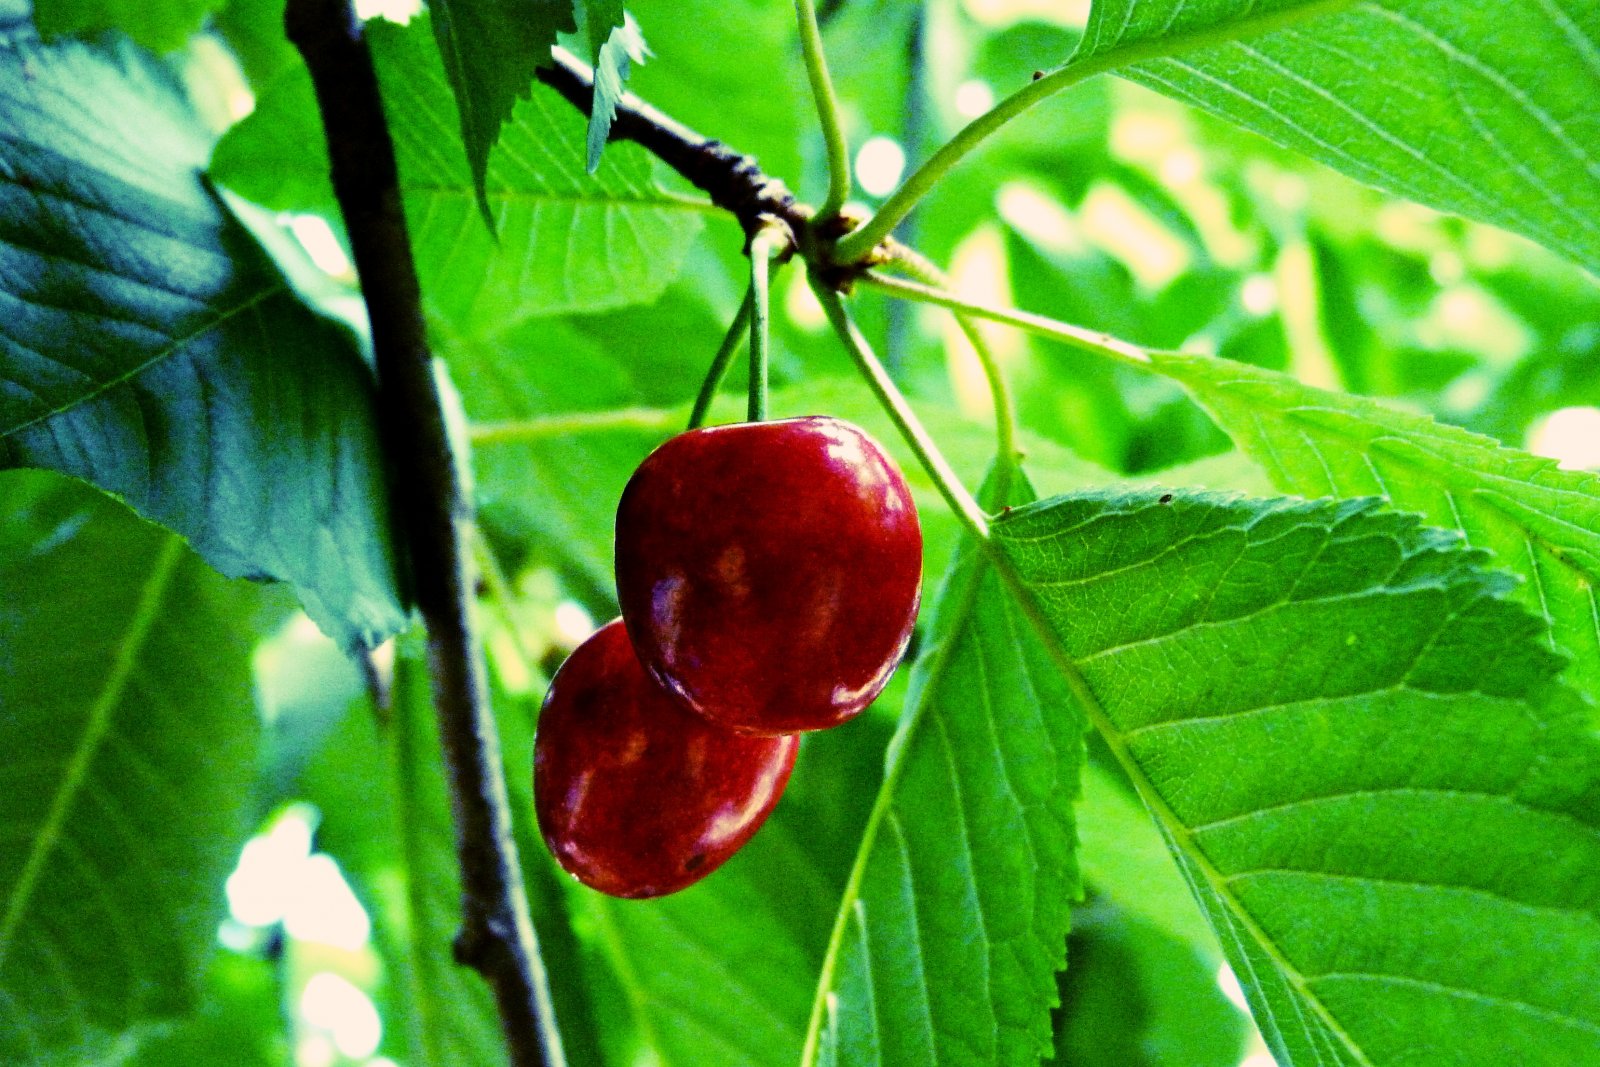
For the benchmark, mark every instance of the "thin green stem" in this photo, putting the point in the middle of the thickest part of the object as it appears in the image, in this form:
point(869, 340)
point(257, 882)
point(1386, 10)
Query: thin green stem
point(546, 427)
point(762, 248)
point(827, 109)
point(1093, 341)
point(855, 246)
point(944, 478)
point(1005, 417)
point(720, 363)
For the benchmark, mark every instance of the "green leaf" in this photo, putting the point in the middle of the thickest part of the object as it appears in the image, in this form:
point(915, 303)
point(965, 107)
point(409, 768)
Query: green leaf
point(154, 349)
point(490, 50)
point(1539, 520)
point(1355, 745)
point(570, 242)
point(953, 935)
point(623, 47)
point(450, 1014)
point(1135, 996)
point(162, 25)
point(1434, 101)
point(126, 703)
point(240, 1022)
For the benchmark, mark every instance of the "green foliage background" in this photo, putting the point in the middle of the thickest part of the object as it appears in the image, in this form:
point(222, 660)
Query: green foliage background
point(1166, 721)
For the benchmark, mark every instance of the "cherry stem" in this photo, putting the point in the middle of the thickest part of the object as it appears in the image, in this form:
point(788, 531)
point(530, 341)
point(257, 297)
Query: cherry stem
point(720, 363)
point(827, 109)
point(763, 247)
point(914, 263)
point(900, 413)
point(1085, 340)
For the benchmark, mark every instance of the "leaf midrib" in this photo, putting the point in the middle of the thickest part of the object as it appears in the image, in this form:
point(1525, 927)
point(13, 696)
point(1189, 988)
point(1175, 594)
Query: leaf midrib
point(205, 326)
point(95, 730)
point(1164, 814)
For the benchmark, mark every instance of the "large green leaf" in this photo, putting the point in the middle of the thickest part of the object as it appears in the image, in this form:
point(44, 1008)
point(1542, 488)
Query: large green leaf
point(490, 49)
point(1539, 520)
point(1440, 102)
point(1357, 749)
point(953, 936)
point(159, 24)
point(127, 713)
point(154, 349)
point(569, 241)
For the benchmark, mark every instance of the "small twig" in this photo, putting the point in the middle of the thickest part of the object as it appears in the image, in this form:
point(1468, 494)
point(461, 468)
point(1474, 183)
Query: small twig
point(433, 520)
point(735, 182)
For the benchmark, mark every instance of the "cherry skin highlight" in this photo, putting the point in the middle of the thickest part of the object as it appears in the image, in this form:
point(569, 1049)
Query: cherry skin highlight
point(769, 572)
point(635, 795)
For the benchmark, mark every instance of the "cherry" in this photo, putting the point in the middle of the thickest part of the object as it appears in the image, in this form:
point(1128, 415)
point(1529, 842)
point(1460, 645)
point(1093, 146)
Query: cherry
point(635, 795)
point(769, 572)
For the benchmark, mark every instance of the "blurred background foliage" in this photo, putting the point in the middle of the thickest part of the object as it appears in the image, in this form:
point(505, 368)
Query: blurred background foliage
point(1111, 208)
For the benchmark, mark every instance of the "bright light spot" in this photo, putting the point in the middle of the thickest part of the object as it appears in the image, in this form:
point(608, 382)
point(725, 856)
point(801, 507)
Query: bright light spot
point(324, 909)
point(332, 1003)
point(973, 98)
point(400, 11)
point(1259, 295)
point(1259, 1058)
point(879, 165)
point(237, 937)
point(1123, 228)
point(260, 887)
point(1290, 192)
point(1199, 344)
point(1180, 166)
point(508, 661)
point(573, 623)
point(1228, 982)
point(317, 238)
point(1570, 436)
point(1146, 136)
point(1467, 317)
point(801, 305)
point(241, 102)
point(1039, 218)
point(980, 271)
point(1446, 268)
point(1073, 14)
point(315, 1050)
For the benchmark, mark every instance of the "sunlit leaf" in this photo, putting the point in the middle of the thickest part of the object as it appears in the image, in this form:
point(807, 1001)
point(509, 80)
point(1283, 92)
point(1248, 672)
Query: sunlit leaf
point(1434, 101)
point(490, 49)
point(951, 942)
point(1355, 745)
point(1539, 520)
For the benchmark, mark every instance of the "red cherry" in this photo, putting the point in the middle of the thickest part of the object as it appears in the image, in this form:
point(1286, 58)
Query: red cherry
point(769, 572)
point(636, 796)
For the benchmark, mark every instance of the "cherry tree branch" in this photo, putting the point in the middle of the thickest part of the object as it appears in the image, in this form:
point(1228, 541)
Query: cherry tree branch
point(734, 181)
point(434, 516)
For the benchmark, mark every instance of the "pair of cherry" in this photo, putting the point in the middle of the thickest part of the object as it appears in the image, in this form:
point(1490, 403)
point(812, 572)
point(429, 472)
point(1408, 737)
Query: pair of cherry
point(769, 576)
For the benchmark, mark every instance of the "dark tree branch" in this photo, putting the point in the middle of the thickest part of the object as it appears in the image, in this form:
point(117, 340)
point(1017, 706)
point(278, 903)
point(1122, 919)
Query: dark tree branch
point(734, 181)
point(433, 519)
